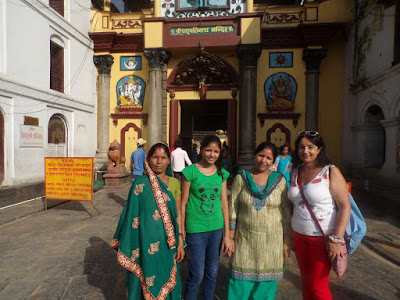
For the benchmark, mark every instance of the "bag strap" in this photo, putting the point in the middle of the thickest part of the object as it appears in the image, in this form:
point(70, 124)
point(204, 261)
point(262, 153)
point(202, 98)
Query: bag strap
point(300, 184)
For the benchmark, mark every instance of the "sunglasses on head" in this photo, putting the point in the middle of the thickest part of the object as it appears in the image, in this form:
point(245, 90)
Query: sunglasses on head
point(309, 133)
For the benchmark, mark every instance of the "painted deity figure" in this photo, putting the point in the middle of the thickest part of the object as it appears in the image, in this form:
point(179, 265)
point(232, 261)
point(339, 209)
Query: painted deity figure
point(281, 91)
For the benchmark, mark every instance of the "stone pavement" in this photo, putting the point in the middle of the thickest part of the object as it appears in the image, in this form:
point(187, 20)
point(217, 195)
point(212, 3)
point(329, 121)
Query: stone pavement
point(63, 253)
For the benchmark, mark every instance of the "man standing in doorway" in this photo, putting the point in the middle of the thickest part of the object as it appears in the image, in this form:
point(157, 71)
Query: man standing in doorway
point(178, 159)
point(137, 159)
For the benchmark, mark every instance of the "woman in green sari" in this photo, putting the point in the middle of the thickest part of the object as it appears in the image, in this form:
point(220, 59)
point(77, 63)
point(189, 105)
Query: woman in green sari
point(260, 227)
point(147, 238)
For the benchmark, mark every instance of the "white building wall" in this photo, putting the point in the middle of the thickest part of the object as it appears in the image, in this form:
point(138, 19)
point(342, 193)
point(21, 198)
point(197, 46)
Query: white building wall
point(25, 34)
point(382, 89)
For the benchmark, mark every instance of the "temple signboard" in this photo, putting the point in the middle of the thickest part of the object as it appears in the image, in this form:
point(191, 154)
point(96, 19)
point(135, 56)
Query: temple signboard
point(188, 33)
point(201, 30)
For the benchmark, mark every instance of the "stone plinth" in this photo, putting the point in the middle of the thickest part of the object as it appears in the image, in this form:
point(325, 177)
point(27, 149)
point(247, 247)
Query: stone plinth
point(116, 180)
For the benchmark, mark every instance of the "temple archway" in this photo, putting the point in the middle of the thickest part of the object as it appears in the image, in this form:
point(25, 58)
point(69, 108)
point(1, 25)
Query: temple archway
point(57, 137)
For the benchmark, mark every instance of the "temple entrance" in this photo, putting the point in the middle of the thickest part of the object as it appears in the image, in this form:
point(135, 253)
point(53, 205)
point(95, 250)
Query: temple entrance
point(200, 118)
point(1, 147)
point(57, 137)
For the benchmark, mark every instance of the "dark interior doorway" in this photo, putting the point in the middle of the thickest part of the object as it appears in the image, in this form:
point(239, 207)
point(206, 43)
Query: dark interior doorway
point(202, 118)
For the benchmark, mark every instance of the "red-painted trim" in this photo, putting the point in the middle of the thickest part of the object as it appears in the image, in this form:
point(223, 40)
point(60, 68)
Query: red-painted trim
point(113, 42)
point(282, 128)
point(173, 117)
point(123, 131)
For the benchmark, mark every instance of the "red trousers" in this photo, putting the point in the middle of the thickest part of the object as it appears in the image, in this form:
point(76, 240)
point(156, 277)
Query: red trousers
point(314, 266)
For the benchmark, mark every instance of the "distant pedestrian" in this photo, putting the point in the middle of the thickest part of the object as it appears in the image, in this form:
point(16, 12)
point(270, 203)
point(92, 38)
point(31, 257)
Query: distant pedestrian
point(193, 156)
point(137, 159)
point(226, 158)
point(324, 189)
point(178, 159)
point(284, 162)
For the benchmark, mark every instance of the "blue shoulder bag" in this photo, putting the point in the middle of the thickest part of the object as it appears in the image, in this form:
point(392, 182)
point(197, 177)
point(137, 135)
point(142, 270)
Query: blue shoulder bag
point(356, 228)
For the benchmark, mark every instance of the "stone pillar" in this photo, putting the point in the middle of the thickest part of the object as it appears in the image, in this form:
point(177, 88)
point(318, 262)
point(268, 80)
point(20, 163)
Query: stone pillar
point(248, 55)
point(103, 64)
point(312, 58)
point(157, 58)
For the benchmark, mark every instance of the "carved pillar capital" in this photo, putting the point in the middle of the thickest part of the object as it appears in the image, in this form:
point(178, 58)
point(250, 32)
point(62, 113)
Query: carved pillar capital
point(103, 63)
point(248, 54)
point(313, 58)
point(157, 57)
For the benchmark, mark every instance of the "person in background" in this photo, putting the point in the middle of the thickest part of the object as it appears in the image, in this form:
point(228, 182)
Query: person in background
point(325, 190)
point(226, 158)
point(178, 159)
point(205, 218)
point(284, 162)
point(148, 240)
point(137, 159)
point(260, 228)
point(193, 156)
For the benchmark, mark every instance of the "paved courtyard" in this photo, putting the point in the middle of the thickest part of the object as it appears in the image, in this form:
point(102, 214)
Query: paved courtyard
point(63, 253)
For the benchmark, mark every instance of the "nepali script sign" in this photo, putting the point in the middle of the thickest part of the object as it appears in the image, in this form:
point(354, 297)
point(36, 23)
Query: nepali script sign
point(69, 178)
point(30, 136)
point(201, 30)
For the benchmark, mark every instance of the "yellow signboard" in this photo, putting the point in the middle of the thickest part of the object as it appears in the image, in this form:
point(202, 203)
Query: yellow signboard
point(69, 178)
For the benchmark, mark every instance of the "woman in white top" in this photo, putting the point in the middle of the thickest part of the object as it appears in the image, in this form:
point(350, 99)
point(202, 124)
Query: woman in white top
point(325, 190)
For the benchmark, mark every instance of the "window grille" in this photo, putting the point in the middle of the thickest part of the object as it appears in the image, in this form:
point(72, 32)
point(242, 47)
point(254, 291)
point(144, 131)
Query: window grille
point(56, 67)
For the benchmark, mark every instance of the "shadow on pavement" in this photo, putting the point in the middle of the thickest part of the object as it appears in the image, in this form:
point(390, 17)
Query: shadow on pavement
point(103, 270)
point(118, 199)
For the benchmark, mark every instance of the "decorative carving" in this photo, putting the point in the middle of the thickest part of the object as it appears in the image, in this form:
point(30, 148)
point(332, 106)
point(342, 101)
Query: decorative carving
point(277, 115)
point(248, 54)
point(313, 58)
point(117, 43)
point(123, 135)
point(202, 69)
point(157, 57)
point(126, 23)
point(280, 18)
point(103, 63)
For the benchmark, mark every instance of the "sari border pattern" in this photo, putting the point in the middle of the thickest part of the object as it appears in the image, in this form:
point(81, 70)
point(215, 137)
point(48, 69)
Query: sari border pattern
point(133, 267)
point(162, 208)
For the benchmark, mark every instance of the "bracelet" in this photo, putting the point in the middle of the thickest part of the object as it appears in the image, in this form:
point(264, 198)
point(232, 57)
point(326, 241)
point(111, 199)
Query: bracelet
point(181, 235)
point(335, 239)
point(232, 238)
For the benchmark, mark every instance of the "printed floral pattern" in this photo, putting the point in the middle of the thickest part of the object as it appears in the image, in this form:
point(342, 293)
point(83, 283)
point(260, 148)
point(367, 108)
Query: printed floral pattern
point(150, 280)
point(156, 215)
point(135, 223)
point(154, 247)
point(138, 189)
point(135, 254)
point(166, 197)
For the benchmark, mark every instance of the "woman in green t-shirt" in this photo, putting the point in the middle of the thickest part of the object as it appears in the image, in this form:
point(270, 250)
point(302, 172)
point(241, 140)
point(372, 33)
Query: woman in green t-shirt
point(205, 218)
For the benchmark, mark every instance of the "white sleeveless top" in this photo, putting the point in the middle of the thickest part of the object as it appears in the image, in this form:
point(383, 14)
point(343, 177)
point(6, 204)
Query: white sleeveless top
point(321, 201)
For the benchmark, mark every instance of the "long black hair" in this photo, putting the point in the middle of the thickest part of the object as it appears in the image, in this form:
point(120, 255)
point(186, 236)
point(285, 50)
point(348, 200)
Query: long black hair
point(322, 158)
point(209, 139)
point(265, 145)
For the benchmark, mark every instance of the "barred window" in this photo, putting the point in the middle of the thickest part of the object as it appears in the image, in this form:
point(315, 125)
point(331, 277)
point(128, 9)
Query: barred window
point(396, 56)
point(56, 67)
point(58, 6)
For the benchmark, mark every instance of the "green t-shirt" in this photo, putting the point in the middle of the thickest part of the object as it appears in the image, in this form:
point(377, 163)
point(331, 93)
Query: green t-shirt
point(203, 210)
point(174, 186)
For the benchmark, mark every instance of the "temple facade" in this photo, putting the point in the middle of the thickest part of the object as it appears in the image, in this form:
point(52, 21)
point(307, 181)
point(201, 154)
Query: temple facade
point(247, 71)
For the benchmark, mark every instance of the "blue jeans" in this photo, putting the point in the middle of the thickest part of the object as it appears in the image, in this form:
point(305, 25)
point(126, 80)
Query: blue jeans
point(203, 249)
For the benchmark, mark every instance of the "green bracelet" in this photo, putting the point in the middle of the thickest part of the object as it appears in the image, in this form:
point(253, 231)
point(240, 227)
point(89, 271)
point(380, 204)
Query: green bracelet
point(232, 238)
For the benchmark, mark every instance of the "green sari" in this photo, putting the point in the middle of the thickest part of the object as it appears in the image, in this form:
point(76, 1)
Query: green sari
point(146, 239)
